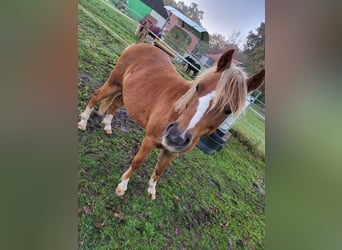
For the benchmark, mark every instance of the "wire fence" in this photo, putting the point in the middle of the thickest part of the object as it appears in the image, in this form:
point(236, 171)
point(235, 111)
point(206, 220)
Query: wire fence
point(179, 50)
point(252, 123)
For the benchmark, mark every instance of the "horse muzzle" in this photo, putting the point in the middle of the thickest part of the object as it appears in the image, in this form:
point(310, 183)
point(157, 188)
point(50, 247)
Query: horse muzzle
point(175, 140)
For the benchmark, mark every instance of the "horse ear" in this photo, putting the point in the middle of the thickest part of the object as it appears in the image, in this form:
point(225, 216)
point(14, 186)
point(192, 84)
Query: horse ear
point(255, 81)
point(225, 61)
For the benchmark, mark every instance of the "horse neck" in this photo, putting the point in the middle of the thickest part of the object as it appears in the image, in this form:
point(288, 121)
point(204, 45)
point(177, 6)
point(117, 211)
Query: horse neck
point(172, 90)
point(182, 86)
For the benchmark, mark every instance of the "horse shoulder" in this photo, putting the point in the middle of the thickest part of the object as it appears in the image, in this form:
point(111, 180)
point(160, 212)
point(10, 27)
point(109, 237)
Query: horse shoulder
point(163, 111)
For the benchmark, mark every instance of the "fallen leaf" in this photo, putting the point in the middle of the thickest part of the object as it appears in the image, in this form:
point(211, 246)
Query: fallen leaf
point(86, 210)
point(177, 231)
point(119, 215)
point(176, 201)
point(148, 213)
point(230, 244)
point(225, 225)
point(100, 225)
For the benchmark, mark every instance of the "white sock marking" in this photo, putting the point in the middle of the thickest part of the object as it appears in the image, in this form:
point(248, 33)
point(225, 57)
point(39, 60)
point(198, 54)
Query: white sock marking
point(123, 184)
point(85, 116)
point(107, 122)
point(152, 186)
point(203, 105)
point(82, 123)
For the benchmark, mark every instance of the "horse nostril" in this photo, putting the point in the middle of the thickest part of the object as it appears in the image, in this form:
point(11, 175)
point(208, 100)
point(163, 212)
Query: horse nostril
point(171, 125)
point(187, 138)
point(176, 137)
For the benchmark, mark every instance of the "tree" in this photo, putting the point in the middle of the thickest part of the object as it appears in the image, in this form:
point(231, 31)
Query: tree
point(255, 49)
point(219, 44)
point(255, 52)
point(170, 2)
point(192, 11)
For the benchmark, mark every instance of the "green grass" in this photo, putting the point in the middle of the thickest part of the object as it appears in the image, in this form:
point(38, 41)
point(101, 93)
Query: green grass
point(255, 135)
point(203, 201)
point(98, 48)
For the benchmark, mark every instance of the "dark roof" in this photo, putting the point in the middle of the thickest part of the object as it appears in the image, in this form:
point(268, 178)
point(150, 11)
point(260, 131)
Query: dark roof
point(189, 24)
point(158, 6)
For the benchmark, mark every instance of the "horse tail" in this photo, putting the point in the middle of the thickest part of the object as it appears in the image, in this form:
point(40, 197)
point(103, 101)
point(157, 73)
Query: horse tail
point(105, 103)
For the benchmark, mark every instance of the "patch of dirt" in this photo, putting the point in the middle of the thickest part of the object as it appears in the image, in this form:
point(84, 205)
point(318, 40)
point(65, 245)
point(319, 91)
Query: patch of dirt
point(193, 218)
point(86, 80)
point(121, 120)
point(217, 185)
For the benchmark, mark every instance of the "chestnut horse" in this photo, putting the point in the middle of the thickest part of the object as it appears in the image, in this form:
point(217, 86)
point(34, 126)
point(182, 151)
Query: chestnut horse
point(174, 112)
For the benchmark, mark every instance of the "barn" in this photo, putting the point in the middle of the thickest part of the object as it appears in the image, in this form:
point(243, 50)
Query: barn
point(140, 8)
point(195, 32)
point(181, 33)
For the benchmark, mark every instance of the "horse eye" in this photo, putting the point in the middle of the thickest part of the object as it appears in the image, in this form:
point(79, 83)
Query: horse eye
point(197, 88)
point(227, 112)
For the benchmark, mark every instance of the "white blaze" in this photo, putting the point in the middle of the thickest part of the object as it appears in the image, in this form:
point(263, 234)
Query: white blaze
point(203, 105)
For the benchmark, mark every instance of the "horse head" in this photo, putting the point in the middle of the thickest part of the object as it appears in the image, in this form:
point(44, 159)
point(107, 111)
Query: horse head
point(215, 94)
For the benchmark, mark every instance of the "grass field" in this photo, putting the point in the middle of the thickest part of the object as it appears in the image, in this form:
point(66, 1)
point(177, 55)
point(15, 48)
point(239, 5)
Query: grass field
point(252, 128)
point(203, 201)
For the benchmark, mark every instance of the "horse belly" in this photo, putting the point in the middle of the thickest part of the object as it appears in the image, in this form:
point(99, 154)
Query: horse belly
point(147, 102)
point(137, 102)
point(137, 112)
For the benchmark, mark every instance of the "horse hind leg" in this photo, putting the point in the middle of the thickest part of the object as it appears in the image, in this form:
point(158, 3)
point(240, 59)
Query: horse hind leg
point(107, 90)
point(117, 103)
point(82, 124)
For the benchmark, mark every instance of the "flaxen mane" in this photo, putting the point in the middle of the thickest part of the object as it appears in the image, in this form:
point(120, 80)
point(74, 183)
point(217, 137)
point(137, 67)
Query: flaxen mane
point(231, 90)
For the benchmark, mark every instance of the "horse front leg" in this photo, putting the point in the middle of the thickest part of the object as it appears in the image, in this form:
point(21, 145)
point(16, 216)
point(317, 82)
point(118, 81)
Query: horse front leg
point(165, 157)
point(146, 147)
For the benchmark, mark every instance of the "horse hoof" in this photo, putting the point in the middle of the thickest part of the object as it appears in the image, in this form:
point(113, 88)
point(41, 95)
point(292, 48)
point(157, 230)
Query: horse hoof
point(108, 131)
point(119, 192)
point(81, 127)
point(153, 196)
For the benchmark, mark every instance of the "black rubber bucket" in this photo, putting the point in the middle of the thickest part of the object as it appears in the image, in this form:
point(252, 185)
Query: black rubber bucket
point(209, 144)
